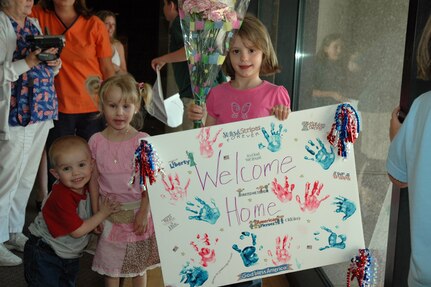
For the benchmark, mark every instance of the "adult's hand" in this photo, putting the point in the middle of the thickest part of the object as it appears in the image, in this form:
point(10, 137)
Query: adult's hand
point(395, 123)
point(53, 63)
point(32, 59)
point(157, 63)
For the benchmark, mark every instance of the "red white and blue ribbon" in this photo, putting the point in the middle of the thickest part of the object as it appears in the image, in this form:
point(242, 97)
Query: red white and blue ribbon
point(146, 164)
point(345, 129)
point(363, 267)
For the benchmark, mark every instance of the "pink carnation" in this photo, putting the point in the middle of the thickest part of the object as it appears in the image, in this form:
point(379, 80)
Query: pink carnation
point(231, 16)
point(196, 6)
point(212, 10)
point(216, 15)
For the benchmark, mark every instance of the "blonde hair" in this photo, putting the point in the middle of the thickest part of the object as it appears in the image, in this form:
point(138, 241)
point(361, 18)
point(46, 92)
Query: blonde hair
point(65, 144)
point(132, 92)
point(423, 60)
point(253, 30)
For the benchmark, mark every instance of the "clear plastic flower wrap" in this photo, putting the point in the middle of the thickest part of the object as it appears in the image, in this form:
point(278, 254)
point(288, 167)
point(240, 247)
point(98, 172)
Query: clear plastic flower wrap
point(208, 26)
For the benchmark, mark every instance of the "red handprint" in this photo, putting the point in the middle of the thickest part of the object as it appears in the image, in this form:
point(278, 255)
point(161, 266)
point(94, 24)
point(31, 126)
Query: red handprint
point(207, 255)
point(282, 255)
point(206, 144)
point(311, 203)
point(174, 188)
point(284, 194)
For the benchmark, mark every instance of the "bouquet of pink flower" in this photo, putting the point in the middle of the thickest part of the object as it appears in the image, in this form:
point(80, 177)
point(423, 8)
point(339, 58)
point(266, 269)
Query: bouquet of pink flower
point(208, 26)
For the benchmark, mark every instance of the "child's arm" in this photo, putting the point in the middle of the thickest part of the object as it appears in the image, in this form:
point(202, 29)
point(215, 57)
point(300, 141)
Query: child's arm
point(210, 121)
point(106, 207)
point(281, 112)
point(94, 190)
point(141, 217)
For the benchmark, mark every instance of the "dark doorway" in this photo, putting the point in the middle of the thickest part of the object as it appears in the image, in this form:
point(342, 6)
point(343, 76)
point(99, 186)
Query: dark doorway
point(138, 25)
point(138, 29)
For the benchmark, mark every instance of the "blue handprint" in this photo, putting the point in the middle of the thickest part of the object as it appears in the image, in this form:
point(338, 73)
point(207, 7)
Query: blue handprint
point(323, 157)
point(274, 140)
point(194, 276)
point(204, 211)
point(332, 239)
point(344, 206)
point(248, 254)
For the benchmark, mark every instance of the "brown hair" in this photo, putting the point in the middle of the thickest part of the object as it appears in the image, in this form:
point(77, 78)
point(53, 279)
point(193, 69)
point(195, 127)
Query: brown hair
point(423, 60)
point(103, 14)
point(79, 5)
point(132, 92)
point(326, 42)
point(65, 144)
point(173, 1)
point(253, 30)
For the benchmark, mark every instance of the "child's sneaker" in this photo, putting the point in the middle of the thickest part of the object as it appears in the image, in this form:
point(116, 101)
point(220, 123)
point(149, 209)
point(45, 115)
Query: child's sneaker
point(16, 242)
point(7, 258)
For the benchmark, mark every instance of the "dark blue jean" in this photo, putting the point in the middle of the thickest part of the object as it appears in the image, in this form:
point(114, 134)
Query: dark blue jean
point(42, 267)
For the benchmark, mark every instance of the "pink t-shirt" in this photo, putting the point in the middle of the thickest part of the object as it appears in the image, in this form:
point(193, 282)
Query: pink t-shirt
point(227, 104)
point(114, 177)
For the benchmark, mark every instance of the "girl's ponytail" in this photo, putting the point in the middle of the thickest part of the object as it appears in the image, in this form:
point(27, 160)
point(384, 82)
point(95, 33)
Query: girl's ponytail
point(146, 93)
point(93, 85)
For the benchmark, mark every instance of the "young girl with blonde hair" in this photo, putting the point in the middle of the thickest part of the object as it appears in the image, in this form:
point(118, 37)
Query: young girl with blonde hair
point(127, 246)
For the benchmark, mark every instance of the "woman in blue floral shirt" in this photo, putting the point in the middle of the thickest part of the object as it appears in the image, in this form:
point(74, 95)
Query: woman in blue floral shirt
point(28, 106)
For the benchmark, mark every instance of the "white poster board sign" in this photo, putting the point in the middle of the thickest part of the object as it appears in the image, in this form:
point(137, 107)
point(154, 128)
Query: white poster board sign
point(253, 199)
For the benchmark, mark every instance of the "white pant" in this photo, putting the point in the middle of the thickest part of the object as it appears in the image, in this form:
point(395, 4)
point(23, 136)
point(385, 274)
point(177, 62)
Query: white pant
point(19, 162)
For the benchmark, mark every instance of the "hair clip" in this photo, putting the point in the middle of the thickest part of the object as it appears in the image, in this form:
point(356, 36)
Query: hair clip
point(141, 86)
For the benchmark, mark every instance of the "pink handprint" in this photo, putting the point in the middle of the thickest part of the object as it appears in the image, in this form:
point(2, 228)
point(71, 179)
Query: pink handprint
point(311, 203)
point(174, 188)
point(206, 144)
point(284, 194)
point(207, 255)
point(282, 255)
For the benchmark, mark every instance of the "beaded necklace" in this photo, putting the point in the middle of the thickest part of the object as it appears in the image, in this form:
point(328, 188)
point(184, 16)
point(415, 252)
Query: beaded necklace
point(119, 138)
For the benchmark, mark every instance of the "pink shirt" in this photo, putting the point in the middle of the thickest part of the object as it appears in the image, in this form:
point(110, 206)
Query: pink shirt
point(114, 177)
point(227, 104)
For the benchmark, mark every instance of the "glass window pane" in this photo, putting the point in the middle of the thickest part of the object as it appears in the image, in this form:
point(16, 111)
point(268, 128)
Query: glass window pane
point(350, 50)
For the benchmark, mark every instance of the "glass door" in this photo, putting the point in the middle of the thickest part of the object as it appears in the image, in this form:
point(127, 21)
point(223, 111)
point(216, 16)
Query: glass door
point(349, 50)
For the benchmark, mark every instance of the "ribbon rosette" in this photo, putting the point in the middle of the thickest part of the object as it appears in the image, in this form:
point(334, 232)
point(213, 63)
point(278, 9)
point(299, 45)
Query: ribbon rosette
point(363, 267)
point(208, 26)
